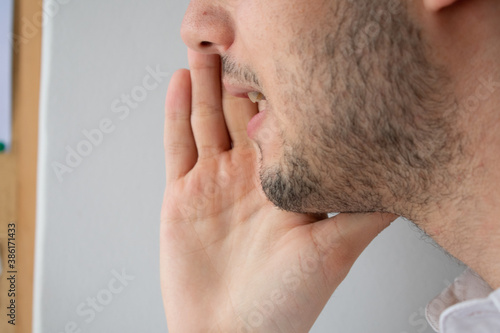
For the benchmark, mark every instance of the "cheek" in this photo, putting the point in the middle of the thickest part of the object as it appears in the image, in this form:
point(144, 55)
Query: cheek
point(253, 24)
point(263, 37)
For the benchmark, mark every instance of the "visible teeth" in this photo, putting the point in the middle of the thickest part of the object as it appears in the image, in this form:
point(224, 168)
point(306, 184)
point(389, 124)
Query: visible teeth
point(255, 96)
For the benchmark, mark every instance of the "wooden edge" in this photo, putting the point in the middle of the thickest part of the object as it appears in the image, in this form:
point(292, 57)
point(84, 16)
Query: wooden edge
point(26, 86)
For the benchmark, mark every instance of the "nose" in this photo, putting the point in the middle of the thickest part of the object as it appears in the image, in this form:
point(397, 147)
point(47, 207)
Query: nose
point(207, 27)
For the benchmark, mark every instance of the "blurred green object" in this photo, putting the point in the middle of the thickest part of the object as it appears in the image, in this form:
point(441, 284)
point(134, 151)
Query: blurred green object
point(2, 147)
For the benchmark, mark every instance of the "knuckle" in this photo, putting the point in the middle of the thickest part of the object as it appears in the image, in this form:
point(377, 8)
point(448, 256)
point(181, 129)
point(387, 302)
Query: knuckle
point(203, 109)
point(176, 114)
point(175, 148)
point(209, 151)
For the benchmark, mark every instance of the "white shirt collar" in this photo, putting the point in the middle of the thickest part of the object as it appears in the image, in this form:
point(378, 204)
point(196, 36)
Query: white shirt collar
point(453, 300)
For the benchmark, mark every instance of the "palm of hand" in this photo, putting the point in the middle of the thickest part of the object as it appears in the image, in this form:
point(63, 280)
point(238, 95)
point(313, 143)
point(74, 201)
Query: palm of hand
point(230, 260)
point(221, 237)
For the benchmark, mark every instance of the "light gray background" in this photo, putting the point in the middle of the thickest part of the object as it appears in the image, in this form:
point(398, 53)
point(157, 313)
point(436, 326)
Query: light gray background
point(103, 217)
point(6, 16)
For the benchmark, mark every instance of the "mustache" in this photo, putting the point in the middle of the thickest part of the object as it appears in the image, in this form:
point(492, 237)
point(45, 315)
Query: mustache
point(235, 72)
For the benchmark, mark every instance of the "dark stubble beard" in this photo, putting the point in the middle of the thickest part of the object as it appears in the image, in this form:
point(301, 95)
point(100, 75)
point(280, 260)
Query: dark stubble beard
point(381, 127)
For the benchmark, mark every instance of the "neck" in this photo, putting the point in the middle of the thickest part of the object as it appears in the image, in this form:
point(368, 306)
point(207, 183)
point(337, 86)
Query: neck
point(468, 226)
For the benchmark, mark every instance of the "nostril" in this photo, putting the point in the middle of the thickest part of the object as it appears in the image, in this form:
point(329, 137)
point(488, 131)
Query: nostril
point(205, 44)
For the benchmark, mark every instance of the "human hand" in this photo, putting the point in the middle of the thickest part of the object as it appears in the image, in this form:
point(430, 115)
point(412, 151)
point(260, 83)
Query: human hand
point(230, 260)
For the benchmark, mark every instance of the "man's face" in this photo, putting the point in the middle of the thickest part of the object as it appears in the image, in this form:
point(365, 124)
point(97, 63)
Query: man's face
point(357, 118)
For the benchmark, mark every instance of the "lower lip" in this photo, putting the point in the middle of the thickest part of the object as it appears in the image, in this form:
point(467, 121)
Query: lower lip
point(255, 123)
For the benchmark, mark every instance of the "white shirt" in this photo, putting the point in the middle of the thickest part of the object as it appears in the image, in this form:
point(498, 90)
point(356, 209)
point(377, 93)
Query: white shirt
point(469, 305)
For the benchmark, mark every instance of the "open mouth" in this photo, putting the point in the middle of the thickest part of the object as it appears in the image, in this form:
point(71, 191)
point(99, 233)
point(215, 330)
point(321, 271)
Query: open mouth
point(258, 98)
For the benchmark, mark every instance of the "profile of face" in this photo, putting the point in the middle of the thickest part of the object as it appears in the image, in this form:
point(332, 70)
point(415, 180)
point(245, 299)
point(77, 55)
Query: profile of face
point(359, 116)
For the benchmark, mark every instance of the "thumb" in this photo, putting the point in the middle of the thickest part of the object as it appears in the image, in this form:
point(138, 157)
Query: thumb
point(340, 240)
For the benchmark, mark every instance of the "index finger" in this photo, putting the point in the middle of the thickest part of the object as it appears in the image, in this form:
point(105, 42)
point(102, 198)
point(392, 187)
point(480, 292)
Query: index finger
point(207, 118)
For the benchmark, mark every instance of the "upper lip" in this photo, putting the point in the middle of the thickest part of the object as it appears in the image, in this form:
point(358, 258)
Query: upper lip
point(238, 90)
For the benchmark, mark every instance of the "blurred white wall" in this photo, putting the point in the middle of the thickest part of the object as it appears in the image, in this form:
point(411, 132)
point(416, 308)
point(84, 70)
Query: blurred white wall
point(106, 67)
